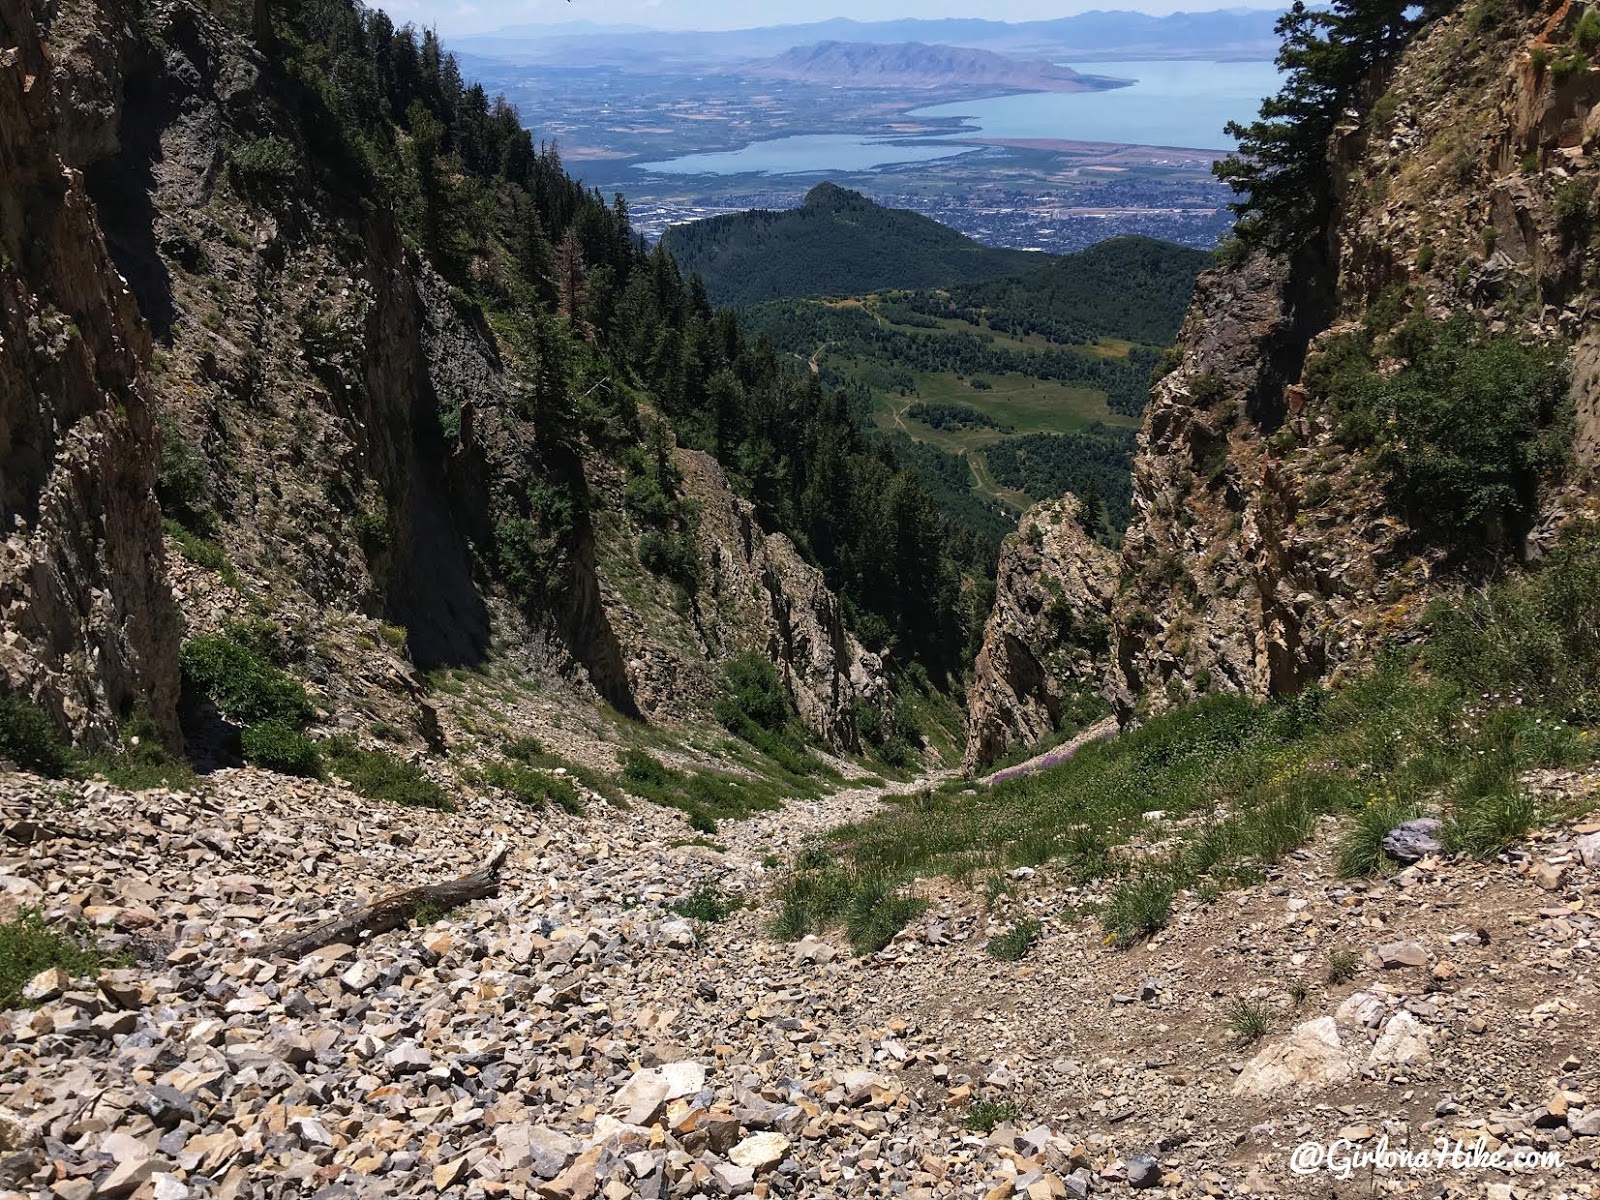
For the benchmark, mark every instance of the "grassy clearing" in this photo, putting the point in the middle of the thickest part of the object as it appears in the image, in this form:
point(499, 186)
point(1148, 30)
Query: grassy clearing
point(1214, 793)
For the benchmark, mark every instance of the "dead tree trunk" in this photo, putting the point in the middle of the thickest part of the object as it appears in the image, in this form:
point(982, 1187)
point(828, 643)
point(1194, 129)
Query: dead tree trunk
point(392, 911)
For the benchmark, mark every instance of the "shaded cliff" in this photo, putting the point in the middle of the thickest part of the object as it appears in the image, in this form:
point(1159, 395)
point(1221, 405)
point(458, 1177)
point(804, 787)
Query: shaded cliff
point(257, 384)
point(90, 629)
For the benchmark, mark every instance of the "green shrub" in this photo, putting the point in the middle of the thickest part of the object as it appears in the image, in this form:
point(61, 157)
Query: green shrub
point(29, 945)
point(1463, 432)
point(183, 479)
point(534, 788)
point(29, 738)
point(983, 1115)
point(1015, 942)
point(264, 167)
point(1586, 34)
point(379, 775)
point(752, 695)
point(1425, 257)
point(1573, 206)
point(198, 550)
point(1568, 67)
point(274, 746)
point(535, 550)
point(242, 685)
point(528, 750)
point(708, 903)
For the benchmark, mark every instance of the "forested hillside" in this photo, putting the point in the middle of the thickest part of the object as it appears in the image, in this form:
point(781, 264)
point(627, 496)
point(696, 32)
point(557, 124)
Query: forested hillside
point(1135, 288)
point(838, 243)
point(1014, 390)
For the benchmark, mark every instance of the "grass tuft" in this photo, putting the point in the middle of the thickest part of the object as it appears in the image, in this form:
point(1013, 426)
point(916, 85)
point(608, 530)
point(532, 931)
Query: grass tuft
point(1248, 1020)
point(1014, 943)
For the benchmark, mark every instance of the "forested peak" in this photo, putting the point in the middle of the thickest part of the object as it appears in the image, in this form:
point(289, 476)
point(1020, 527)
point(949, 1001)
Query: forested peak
point(830, 196)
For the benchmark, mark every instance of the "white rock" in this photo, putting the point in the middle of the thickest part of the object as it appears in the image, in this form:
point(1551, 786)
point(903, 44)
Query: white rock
point(1403, 1043)
point(760, 1151)
point(1310, 1056)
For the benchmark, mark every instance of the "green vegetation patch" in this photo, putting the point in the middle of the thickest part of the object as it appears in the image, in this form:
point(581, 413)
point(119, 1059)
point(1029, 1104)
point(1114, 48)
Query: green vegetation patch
point(30, 945)
point(1463, 433)
point(379, 775)
point(533, 787)
point(241, 683)
point(1506, 682)
point(706, 796)
point(709, 903)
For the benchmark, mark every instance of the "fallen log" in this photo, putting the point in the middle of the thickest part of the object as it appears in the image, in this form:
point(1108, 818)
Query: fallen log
point(392, 911)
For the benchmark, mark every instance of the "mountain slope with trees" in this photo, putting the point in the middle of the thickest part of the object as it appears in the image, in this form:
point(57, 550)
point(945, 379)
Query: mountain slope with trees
point(416, 396)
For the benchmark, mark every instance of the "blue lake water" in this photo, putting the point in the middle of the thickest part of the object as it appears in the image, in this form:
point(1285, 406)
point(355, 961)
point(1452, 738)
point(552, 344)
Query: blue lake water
point(1168, 104)
point(806, 154)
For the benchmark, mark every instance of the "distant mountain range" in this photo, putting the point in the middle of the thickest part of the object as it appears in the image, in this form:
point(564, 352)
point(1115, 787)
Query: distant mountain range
point(1219, 34)
point(837, 243)
point(919, 65)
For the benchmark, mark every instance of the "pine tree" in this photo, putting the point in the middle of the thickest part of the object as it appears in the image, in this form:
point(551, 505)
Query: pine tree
point(1333, 59)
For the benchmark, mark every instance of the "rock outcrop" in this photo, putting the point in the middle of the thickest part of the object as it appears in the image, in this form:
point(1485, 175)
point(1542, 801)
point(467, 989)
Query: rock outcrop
point(1263, 552)
point(756, 594)
point(90, 627)
point(1045, 645)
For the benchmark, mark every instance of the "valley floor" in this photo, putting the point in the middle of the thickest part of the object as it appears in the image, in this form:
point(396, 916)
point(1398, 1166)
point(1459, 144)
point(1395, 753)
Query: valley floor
point(576, 1036)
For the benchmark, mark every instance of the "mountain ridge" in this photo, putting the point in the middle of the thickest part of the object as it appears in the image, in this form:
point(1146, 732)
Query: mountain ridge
point(918, 64)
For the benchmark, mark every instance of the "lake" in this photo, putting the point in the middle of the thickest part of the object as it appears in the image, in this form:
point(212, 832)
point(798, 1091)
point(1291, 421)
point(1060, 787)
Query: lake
point(1169, 104)
point(805, 154)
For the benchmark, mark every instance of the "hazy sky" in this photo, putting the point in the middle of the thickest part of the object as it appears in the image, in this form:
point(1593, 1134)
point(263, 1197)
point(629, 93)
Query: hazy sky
point(473, 16)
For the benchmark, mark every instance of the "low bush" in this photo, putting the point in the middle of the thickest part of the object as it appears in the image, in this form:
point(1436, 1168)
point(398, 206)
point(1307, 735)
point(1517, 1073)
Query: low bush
point(1343, 963)
point(708, 903)
point(275, 746)
point(29, 738)
point(984, 1115)
point(379, 775)
point(1015, 942)
point(243, 685)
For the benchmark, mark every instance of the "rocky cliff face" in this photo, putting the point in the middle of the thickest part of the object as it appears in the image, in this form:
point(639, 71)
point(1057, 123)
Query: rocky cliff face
point(90, 629)
point(1048, 636)
point(1263, 552)
point(193, 309)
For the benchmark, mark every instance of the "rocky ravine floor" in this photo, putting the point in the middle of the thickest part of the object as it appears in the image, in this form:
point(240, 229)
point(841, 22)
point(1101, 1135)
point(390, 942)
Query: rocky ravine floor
point(575, 1038)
